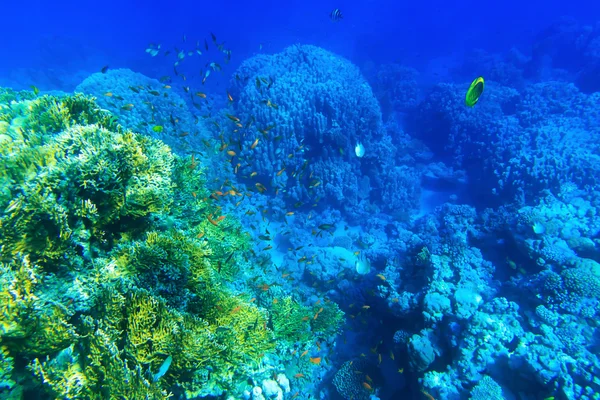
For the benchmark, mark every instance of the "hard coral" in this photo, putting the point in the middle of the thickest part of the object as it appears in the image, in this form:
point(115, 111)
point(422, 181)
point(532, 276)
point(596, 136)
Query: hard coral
point(73, 182)
point(141, 103)
point(307, 95)
point(89, 216)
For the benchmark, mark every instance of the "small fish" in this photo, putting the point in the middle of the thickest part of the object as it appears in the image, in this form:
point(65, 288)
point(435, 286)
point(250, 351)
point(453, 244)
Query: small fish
point(304, 353)
point(367, 386)
point(163, 369)
point(380, 276)
point(128, 107)
point(231, 153)
point(36, 91)
point(254, 144)
point(157, 128)
point(299, 376)
point(261, 188)
point(108, 94)
point(336, 15)
point(229, 97)
point(104, 69)
point(315, 360)
point(201, 95)
point(206, 76)
point(429, 397)
point(359, 150)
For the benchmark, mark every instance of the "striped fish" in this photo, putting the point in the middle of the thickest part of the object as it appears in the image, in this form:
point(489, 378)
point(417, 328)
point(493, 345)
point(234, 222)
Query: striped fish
point(336, 15)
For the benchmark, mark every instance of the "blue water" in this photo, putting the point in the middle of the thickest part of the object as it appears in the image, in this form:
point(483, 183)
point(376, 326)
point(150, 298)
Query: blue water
point(463, 247)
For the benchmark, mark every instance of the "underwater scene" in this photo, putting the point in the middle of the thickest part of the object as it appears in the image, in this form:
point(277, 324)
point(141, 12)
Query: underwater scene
point(346, 200)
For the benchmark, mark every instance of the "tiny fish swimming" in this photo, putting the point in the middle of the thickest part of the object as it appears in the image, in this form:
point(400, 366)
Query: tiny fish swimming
point(336, 15)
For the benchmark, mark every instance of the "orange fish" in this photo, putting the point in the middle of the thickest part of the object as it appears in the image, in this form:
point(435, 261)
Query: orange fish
point(280, 171)
point(252, 300)
point(304, 353)
point(233, 118)
point(200, 94)
point(317, 302)
point(252, 175)
point(289, 214)
point(254, 144)
point(261, 188)
point(229, 97)
point(231, 153)
point(429, 397)
point(380, 276)
point(299, 376)
point(221, 218)
point(238, 308)
point(305, 318)
point(212, 221)
point(315, 360)
point(199, 236)
point(368, 378)
point(367, 386)
point(295, 395)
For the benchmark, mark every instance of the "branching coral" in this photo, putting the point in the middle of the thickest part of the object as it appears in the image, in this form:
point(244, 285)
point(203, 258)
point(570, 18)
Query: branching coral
point(66, 192)
point(110, 263)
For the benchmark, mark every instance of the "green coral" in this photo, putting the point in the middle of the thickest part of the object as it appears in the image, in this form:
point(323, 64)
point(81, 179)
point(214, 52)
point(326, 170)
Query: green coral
point(329, 321)
point(110, 263)
point(290, 320)
point(64, 193)
point(29, 324)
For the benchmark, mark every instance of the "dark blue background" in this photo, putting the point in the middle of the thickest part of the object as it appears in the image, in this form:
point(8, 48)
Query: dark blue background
point(86, 35)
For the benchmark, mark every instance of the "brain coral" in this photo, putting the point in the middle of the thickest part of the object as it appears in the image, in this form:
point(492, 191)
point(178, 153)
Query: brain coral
point(309, 108)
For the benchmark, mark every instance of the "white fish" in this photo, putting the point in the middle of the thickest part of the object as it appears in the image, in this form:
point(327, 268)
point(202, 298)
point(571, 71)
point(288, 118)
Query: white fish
point(359, 150)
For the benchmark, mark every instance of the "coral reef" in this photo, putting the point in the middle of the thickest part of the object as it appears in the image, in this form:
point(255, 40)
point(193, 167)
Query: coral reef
point(143, 104)
point(112, 263)
point(308, 109)
point(514, 145)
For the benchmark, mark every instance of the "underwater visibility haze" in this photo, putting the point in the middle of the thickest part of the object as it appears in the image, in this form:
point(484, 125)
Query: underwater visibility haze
point(352, 200)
